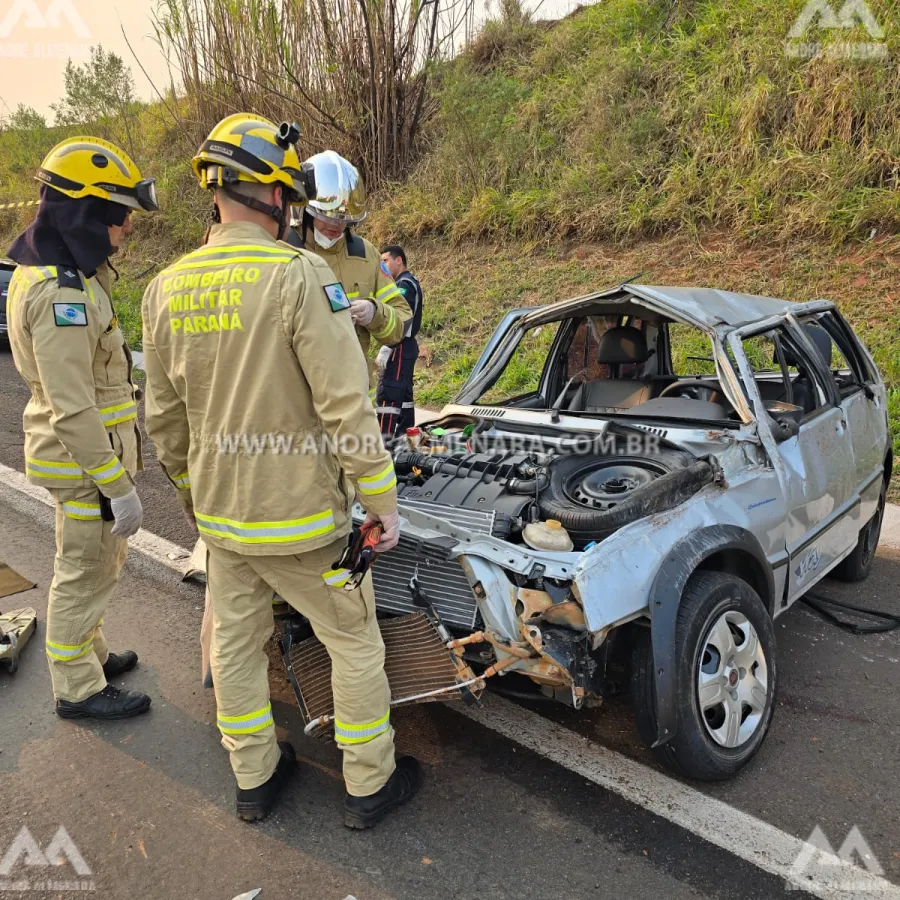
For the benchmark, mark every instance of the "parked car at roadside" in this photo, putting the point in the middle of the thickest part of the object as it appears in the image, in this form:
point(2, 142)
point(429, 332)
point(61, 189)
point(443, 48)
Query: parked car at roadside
point(7, 267)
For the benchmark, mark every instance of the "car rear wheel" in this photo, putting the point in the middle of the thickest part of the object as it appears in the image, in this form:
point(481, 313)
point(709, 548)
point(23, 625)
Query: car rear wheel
point(858, 565)
point(726, 673)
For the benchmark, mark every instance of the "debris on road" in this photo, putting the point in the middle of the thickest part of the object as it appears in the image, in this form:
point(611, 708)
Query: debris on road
point(16, 627)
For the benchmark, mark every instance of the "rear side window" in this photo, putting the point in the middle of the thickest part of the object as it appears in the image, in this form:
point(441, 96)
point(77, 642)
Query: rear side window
point(840, 351)
point(582, 364)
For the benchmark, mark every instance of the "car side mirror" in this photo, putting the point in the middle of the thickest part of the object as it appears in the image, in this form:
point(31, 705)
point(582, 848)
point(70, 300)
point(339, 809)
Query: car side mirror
point(785, 419)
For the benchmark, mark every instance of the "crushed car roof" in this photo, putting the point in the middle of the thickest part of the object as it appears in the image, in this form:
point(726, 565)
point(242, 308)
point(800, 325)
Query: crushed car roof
point(713, 307)
point(705, 307)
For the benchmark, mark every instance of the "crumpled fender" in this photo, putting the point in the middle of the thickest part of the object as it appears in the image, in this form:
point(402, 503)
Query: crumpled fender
point(665, 599)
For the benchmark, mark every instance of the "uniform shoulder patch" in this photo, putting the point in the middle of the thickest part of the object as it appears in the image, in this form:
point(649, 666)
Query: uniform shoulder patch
point(337, 296)
point(69, 278)
point(69, 314)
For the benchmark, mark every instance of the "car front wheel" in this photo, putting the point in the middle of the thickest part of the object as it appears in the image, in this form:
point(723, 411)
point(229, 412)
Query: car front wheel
point(726, 673)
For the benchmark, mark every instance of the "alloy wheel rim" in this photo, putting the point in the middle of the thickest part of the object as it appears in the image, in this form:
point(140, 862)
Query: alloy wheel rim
point(732, 680)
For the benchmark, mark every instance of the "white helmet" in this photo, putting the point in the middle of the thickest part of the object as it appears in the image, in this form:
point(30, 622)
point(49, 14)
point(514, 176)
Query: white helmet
point(340, 194)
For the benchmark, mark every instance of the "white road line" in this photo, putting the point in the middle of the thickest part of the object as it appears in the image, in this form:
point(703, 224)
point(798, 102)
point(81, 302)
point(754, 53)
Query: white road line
point(157, 548)
point(751, 839)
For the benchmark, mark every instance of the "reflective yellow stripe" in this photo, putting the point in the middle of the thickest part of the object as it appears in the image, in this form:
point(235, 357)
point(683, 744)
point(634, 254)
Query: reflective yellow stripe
point(221, 263)
point(266, 532)
point(41, 468)
point(124, 412)
point(236, 248)
point(182, 482)
point(68, 652)
point(248, 724)
point(352, 295)
point(108, 472)
point(85, 511)
point(336, 577)
point(387, 292)
point(48, 272)
point(90, 291)
point(378, 484)
point(346, 733)
point(391, 322)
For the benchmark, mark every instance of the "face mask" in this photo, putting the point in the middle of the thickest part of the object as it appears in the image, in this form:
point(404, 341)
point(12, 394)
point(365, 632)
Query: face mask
point(326, 243)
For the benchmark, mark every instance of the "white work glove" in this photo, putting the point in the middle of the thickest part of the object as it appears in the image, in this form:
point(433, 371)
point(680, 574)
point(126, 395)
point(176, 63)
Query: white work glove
point(128, 514)
point(384, 354)
point(390, 534)
point(362, 312)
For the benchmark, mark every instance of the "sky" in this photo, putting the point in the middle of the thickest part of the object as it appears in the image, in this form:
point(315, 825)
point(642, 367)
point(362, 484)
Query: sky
point(37, 37)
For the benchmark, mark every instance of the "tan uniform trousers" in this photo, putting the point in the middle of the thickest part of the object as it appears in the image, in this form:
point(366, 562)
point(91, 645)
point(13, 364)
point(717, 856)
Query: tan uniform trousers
point(241, 590)
point(86, 571)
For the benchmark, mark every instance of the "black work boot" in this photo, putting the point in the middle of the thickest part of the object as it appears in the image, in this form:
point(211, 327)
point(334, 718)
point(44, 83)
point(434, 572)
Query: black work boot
point(364, 812)
point(118, 663)
point(255, 804)
point(110, 703)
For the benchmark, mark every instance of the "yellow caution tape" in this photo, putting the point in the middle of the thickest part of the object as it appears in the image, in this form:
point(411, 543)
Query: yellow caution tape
point(20, 205)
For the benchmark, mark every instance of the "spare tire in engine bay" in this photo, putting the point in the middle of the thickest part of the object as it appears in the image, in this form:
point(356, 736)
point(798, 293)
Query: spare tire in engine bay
point(594, 496)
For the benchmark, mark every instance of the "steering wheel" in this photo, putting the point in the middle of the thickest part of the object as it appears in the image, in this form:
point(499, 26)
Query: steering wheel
point(694, 389)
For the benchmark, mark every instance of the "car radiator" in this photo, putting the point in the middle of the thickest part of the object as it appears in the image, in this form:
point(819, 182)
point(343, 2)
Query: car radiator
point(443, 580)
point(419, 669)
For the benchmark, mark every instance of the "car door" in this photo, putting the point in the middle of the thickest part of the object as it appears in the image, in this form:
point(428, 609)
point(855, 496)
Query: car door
point(813, 459)
point(862, 398)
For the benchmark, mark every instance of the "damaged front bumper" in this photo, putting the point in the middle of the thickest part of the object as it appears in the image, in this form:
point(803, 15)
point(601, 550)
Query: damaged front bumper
point(529, 616)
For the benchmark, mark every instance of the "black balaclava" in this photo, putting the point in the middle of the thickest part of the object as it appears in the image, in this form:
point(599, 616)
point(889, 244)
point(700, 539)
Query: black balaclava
point(69, 232)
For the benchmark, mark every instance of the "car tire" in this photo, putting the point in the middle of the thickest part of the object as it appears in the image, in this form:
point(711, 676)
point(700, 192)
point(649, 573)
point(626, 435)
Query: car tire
point(703, 748)
point(858, 565)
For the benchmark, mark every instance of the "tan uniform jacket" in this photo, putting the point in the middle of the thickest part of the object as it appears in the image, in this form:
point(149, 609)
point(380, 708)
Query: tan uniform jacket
point(80, 423)
point(257, 395)
point(359, 268)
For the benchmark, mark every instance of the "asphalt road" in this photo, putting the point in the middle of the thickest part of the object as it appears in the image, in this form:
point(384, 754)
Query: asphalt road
point(149, 802)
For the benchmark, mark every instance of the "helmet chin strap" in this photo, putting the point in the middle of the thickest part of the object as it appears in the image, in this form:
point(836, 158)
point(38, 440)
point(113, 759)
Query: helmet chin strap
point(279, 214)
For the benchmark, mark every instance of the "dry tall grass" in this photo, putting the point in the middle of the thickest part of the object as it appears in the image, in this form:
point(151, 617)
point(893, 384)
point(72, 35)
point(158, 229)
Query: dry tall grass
point(356, 74)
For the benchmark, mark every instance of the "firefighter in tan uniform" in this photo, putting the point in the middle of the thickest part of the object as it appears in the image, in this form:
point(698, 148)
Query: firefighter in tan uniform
point(81, 437)
point(378, 308)
point(249, 338)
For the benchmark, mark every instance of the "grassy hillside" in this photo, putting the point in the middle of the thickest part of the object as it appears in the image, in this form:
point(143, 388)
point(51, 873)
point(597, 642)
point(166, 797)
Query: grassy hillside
point(643, 116)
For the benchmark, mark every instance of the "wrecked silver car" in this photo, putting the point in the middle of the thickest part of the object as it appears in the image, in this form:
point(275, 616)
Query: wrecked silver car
point(640, 480)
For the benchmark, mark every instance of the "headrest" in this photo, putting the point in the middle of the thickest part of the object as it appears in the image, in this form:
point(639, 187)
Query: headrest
point(821, 340)
point(622, 344)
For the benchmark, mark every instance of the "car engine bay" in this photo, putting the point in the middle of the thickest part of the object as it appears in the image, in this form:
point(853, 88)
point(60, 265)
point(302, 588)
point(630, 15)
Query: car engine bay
point(592, 488)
